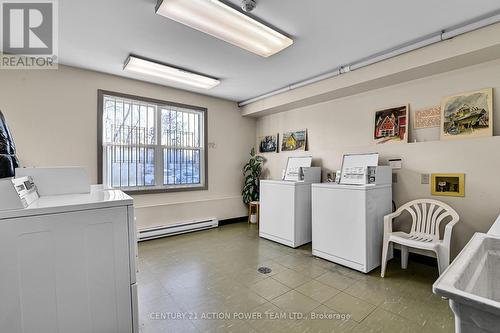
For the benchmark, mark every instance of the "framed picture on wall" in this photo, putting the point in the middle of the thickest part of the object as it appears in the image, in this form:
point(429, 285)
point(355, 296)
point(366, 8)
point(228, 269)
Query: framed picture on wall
point(391, 125)
point(448, 184)
point(467, 115)
point(294, 140)
point(268, 143)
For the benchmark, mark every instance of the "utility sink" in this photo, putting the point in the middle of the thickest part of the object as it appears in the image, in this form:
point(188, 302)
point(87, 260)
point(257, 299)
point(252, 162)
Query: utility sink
point(472, 285)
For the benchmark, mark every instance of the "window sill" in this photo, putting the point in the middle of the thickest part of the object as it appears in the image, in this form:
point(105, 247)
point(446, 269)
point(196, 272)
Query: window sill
point(165, 190)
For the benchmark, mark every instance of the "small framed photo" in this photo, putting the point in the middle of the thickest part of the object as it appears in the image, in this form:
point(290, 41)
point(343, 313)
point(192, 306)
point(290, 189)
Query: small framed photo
point(391, 125)
point(268, 144)
point(448, 184)
point(294, 140)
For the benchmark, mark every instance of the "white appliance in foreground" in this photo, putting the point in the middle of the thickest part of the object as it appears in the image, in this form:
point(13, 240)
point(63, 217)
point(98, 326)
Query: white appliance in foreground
point(67, 264)
point(348, 223)
point(472, 283)
point(285, 212)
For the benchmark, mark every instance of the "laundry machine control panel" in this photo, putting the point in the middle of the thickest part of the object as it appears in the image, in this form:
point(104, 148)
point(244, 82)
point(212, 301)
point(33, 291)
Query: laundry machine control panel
point(17, 193)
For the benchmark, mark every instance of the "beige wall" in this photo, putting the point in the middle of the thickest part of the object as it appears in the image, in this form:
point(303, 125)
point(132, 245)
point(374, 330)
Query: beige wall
point(345, 125)
point(53, 117)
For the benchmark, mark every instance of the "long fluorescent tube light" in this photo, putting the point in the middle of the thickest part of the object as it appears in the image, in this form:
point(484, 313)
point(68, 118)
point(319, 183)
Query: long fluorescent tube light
point(224, 22)
point(172, 74)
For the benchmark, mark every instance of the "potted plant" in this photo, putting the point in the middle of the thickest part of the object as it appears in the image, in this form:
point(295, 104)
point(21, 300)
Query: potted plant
point(252, 171)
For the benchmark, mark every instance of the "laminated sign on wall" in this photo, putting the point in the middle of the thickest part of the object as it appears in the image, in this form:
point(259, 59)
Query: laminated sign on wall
point(294, 165)
point(427, 118)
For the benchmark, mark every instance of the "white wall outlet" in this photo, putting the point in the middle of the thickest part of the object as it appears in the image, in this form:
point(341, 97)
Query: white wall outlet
point(424, 178)
point(212, 145)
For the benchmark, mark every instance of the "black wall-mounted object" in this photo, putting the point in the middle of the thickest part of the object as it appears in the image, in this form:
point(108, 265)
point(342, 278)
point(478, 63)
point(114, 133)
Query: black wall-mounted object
point(8, 159)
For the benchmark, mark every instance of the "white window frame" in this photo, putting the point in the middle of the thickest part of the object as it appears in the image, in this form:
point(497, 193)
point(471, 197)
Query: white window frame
point(158, 147)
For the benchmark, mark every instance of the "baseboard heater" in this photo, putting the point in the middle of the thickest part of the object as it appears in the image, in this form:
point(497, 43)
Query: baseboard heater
point(176, 229)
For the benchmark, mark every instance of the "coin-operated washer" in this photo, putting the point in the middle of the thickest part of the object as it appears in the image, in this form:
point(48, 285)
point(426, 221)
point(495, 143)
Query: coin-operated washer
point(67, 254)
point(285, 205)
point(348, 218)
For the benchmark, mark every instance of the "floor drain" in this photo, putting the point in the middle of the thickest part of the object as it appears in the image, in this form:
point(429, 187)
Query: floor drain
point(265, 270)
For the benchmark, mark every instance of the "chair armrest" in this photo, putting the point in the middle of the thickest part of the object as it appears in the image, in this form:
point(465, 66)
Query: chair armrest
point(388, 219)
point(447, 232)
point(394, 214)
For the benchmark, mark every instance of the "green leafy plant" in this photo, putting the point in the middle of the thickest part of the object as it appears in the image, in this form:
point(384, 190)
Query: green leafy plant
point(252, 171)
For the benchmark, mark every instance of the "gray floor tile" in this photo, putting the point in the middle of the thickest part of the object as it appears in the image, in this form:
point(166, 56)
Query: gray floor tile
point(291, 278)
point(337, 280)
point(355, 307)
point(293, 301)
point(269, 288)
point(317, 291)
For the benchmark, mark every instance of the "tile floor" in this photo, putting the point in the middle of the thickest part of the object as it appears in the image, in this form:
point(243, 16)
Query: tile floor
point(208, 282)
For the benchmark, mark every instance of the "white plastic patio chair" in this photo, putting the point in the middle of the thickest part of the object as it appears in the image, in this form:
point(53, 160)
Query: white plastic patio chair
point(427, 215)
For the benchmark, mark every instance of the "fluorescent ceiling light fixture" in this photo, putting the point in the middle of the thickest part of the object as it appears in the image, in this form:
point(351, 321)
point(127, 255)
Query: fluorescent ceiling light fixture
point(224, 22)
point(172, 74)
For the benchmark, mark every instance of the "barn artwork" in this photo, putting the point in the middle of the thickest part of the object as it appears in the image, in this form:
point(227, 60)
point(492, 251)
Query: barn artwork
point(467, 115)
point(391, 125)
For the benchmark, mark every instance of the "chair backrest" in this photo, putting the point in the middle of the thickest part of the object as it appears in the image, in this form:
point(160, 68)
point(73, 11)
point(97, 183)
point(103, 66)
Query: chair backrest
point(427, 215)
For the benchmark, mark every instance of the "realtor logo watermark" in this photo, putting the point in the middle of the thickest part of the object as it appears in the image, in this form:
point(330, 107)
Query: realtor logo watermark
point(29, 34)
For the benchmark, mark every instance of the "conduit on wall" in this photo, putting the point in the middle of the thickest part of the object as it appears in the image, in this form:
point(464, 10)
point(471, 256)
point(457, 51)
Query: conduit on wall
point(445, 34)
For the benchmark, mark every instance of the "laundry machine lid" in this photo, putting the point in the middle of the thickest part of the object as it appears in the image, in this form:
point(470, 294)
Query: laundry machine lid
point(98, 197)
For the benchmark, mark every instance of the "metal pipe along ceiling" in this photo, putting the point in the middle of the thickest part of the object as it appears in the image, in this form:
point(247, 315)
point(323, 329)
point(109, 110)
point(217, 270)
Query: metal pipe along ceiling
point(460, 29)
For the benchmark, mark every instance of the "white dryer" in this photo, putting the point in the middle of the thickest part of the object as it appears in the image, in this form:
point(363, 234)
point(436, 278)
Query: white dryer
point(68, 264)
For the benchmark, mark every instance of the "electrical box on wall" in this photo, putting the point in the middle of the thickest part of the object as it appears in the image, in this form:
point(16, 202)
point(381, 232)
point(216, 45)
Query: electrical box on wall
point(396, 163)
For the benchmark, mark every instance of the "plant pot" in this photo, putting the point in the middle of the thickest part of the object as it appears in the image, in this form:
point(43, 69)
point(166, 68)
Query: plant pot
point(253, 218)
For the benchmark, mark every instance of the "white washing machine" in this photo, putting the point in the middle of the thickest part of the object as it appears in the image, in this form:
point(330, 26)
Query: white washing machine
point(67, 261)
point(348, 223)
point(285, 212)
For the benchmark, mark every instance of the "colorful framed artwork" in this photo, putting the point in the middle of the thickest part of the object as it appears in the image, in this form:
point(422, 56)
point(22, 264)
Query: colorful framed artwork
point(391, 125)
point(427, 117)
point(293, 141)
point(448, 184)
point(467, 115)
point(268, 144)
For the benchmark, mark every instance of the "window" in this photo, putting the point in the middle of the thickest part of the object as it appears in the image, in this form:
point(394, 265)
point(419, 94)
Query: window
point(387, 132)
point(148, 145)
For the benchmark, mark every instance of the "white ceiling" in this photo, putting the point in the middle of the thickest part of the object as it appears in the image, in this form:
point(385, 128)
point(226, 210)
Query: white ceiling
point(100, 34)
